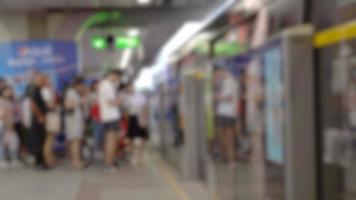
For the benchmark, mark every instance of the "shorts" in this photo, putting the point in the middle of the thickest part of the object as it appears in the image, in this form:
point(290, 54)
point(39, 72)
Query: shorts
point(112, 126)
point(74, 127)
point(226, 122)
point(135, 130)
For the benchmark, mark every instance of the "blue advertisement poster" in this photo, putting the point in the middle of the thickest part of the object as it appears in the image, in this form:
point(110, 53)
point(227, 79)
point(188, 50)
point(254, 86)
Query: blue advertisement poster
point(274, 104)
point(19, 59)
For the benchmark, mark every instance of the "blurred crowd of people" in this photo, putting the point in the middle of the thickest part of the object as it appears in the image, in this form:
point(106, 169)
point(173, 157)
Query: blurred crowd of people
point(106, 119)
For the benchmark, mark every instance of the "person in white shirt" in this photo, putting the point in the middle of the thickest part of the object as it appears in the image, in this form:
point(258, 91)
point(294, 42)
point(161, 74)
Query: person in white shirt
point(110, 115)
point(74, 120)
point(227, 100)
point(135, 104)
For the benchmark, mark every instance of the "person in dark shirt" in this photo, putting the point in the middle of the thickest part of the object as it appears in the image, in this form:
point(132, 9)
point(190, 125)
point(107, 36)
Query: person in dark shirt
point(37, 130)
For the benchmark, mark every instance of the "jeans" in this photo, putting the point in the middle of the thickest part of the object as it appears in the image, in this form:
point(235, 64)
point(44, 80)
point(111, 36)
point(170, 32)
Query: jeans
point(98, 135)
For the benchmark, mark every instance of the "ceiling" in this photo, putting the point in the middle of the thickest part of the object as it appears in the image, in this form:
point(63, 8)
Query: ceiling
point(35, 5)
point(26, 5)
point(158, 24)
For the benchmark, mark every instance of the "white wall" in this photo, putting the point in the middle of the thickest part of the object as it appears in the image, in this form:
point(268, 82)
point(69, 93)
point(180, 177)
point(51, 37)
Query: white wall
point(13, 27)
point(55, 22)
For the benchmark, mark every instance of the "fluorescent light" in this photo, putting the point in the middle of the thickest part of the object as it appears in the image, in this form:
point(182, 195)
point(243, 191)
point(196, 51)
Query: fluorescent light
point(144, 80)
point(184, 34)
point(125, 58)
point(143, 2)
point(133, 32)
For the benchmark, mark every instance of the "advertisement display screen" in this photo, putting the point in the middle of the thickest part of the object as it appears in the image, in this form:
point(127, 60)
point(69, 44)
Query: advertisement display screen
point(19, 59)
point(274, 104)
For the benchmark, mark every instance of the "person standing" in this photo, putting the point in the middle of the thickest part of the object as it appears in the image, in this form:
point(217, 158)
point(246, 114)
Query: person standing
point(52, 121)
point(74, 120)
point(95, 117)
point(227, 101)
point(137, 131)
point(37, 129)
point(8, 137)
point(109, 103)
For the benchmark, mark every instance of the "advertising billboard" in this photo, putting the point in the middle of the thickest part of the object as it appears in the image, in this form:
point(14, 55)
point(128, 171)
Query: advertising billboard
point(274, 104)
point(19, 59)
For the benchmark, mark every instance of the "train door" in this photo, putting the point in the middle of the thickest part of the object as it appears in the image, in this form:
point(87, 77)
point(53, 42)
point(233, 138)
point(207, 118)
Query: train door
point(336, 54)
point(335, 48)
point(280, 163)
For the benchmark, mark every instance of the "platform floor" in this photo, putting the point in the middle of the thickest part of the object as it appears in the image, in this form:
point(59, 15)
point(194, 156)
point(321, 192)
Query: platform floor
point(154, 180)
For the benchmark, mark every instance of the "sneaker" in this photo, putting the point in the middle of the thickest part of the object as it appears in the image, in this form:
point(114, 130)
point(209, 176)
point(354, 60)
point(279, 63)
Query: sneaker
point(4, 165)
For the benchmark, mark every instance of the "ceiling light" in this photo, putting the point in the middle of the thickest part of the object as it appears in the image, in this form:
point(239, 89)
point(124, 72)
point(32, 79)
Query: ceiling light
point(143, 2)
point(133, 32)
point(144, 80)
point(125, 58)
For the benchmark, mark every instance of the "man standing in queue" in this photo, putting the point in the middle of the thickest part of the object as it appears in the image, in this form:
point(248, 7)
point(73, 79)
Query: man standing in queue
point(37, 129)
point(109, 103)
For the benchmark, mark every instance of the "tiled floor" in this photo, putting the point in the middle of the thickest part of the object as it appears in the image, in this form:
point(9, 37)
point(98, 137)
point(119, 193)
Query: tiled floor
point(147, 182)
point(243, 181)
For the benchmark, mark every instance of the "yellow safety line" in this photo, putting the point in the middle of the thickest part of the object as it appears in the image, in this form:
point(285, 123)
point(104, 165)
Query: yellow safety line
point(174, 184)
point(178, 189)
point(335, 34)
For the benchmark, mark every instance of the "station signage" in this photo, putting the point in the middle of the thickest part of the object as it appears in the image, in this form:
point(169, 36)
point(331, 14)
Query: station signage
point(19, 59)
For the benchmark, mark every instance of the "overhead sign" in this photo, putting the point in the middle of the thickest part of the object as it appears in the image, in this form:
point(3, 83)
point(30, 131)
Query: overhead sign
point(19, 59)
point(127, 42)
point(99, 43)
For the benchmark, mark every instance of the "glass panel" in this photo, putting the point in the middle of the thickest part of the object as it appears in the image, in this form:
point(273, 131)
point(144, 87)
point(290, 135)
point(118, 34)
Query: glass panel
point(247, 147)
point(338, 115)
